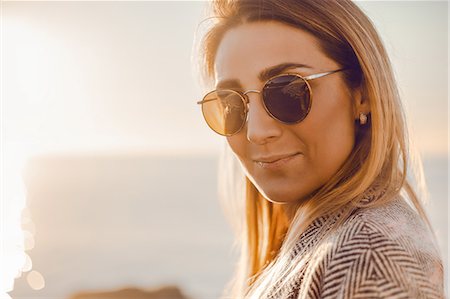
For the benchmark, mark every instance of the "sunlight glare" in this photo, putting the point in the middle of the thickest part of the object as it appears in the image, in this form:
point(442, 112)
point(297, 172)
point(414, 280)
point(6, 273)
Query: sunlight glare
point(36, 280)
point(15, 239)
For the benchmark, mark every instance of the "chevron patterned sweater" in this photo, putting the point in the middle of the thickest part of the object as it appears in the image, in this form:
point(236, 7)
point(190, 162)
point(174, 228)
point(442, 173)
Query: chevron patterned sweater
point(378, 252)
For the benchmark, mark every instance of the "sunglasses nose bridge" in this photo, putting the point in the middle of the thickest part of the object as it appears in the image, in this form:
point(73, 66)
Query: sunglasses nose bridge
point(246, 95)
point(260, 124)
point(251, 90)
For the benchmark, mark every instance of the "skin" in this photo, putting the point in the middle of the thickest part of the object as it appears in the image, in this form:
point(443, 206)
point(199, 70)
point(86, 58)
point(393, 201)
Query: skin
point(320, 143)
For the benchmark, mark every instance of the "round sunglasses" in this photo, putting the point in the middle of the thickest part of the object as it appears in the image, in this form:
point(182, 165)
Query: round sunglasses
point(286, 98)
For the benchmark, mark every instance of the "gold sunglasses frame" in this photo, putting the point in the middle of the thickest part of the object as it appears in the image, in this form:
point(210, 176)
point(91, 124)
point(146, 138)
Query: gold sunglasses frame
point(243, 96)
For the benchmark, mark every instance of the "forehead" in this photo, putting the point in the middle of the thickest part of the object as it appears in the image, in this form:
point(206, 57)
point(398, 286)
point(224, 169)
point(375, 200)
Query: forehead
point(247, 49)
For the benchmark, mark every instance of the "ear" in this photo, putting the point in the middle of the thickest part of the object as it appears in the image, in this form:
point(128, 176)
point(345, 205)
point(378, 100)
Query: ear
point(360, 103)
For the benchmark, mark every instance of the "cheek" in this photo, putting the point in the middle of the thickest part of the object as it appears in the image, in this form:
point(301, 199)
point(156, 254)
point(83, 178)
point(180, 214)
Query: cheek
point(332, 108)
point(335, 127)
point(240, 147)
point(329, 131)
point(337, 141)
point(237, 144)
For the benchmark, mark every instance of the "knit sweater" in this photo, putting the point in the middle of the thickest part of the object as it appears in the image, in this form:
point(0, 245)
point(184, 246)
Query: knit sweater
point(378, 252)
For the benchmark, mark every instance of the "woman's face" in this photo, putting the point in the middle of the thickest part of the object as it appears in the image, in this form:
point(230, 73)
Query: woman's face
point(287, 162)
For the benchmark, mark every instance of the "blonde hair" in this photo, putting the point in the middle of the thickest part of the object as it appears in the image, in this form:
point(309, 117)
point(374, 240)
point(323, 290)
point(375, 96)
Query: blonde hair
point(266, 232)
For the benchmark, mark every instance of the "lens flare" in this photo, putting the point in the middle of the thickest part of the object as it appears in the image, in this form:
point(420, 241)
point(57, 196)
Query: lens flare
point(16, 227)
point(36, 280)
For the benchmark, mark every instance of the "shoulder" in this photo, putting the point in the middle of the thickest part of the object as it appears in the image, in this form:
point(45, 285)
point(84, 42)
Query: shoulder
point(381, 251)
point(394, 223)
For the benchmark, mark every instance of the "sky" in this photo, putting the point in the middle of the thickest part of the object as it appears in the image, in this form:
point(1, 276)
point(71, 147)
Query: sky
point(93, 76)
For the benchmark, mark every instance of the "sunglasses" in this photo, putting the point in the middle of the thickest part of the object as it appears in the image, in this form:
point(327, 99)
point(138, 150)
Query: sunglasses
point(286, 98)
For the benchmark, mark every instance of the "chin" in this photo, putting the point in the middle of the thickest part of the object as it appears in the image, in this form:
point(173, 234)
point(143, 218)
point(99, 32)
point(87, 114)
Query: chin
point(282, 193)
point(281, 197)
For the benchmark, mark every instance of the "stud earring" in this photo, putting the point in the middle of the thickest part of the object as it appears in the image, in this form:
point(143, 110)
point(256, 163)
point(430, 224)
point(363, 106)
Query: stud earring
point(362, 118)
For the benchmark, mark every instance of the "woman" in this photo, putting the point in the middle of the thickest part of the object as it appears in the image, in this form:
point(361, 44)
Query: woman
point(305, 96)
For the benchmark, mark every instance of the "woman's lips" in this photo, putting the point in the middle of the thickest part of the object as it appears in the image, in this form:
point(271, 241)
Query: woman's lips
point(276, 162)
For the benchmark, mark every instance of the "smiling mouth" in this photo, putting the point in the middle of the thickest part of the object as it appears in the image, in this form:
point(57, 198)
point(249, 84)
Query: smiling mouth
point(272, 163)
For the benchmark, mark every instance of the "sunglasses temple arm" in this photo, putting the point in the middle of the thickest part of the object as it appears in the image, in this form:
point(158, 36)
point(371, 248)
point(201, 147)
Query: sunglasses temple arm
point(316, 76)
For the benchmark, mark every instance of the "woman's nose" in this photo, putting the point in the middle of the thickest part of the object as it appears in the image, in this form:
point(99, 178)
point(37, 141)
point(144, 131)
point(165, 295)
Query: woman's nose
point(261, 127)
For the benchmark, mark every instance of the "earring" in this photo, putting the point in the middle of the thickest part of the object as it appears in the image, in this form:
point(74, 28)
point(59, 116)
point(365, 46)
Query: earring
point(362, 118)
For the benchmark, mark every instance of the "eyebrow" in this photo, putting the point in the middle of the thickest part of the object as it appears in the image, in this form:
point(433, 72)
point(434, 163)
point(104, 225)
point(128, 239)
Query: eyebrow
point(265, 74)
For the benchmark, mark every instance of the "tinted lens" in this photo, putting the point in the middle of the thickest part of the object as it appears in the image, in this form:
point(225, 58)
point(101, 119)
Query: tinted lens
point(287, 98)
point(224, 111)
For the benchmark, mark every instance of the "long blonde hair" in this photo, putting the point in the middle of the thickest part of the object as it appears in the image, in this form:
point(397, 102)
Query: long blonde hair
point(266, 232)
